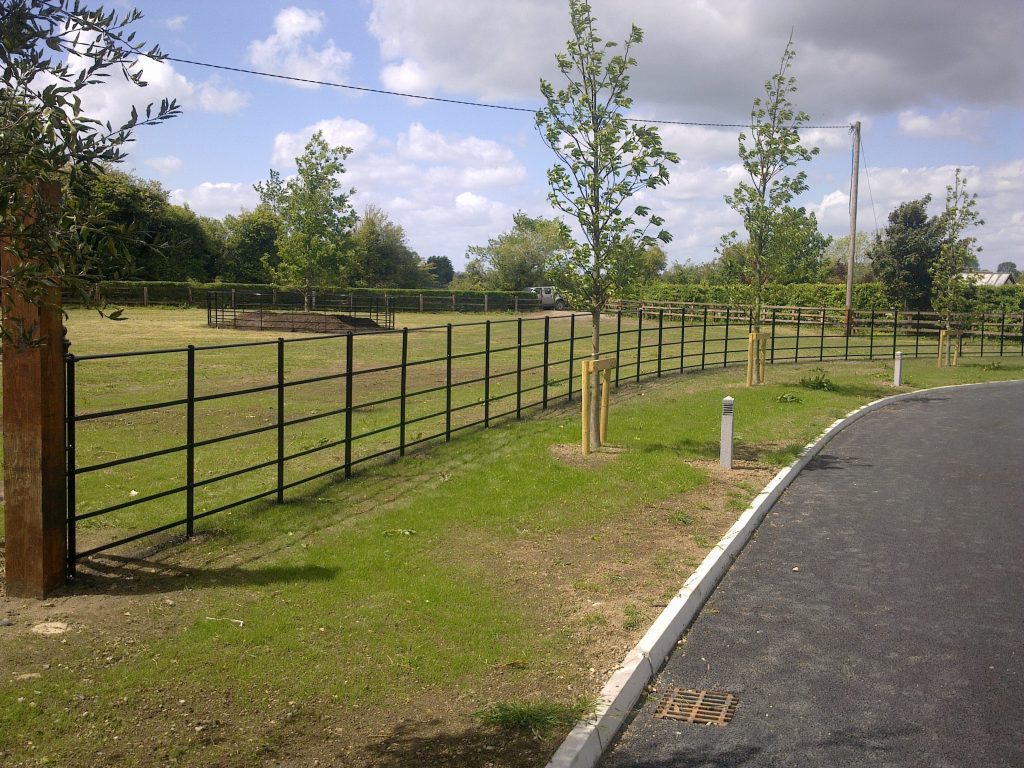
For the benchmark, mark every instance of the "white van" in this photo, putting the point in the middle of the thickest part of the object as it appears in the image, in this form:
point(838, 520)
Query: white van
point(549, 297)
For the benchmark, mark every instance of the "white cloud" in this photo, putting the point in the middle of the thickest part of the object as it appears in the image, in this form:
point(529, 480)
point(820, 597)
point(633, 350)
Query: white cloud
point(165, 165)
point(418, 143)
point(210, 97)
point(217, 199)
point(113, 99)
point(706, 61)
point(406, 77)
point(959, 123)
point(288, 52)
point(175, 23)
point(338, 131)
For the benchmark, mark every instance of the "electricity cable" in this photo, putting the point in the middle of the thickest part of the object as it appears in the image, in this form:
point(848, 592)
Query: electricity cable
point(442, 100)
point(867, 178)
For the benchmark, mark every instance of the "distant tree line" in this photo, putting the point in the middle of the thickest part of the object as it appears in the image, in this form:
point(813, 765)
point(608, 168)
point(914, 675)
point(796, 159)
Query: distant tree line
point(166, 241)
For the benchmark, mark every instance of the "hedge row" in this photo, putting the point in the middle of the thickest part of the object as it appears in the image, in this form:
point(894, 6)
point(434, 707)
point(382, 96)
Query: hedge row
point(1009, 298)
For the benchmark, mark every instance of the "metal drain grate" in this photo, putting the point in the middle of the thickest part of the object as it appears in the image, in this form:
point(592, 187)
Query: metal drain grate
point(699, 707)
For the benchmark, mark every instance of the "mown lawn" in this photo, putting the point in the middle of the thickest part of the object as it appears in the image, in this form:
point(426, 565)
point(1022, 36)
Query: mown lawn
point(374, 621)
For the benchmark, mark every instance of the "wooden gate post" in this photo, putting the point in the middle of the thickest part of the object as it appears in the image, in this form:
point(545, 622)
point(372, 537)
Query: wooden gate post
point(34, 452)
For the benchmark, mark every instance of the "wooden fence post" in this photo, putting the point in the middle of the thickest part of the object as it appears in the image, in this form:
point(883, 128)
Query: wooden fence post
point(34, 452)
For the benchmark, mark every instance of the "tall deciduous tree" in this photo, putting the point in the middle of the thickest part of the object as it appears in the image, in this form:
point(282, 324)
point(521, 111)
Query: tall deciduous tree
point(951, 291)
point(250, 249)
point(51, 51)
point(1009, 267)
point(768, 154)
point(903, 253)
point(385, 259)
point(603, 161)
point(314, 242)
point(521, 257)
point(444, 270)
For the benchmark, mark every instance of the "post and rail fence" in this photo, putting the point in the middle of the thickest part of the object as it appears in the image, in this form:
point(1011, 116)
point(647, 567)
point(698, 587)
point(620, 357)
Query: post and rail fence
point(320, 407)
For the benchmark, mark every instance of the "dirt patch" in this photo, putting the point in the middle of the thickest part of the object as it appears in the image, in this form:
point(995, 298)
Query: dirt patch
point(571, 454)
point(303, 322)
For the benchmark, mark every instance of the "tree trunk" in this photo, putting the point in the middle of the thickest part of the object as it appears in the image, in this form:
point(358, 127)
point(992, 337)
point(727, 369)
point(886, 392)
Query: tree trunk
point(594, 384)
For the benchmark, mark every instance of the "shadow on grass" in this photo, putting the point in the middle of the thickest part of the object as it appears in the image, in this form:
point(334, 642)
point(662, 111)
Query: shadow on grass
point(420, 743)
point(709, 449)
point(114, 574)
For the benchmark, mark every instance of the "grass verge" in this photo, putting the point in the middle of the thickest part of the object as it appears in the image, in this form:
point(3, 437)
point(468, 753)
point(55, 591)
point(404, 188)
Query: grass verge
point(370, 622)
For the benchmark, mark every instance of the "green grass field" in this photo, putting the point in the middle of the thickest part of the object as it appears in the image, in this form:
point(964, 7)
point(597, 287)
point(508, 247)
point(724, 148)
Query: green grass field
point(377, 621)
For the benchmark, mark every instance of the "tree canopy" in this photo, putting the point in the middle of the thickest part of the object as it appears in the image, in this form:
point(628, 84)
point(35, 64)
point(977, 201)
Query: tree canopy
point(903, 253)
point(384, 256)
point(316, 220)
point(520, 257)
point(51, 52)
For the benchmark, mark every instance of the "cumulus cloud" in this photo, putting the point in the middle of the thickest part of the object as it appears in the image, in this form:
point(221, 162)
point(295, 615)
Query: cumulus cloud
point(959, 123)
point(113, 99)
point(419, 143)
point(703, 60)
point(288, 50)
point(217, 199)
point(175, 23)
point(338, 131)
point(165, 165)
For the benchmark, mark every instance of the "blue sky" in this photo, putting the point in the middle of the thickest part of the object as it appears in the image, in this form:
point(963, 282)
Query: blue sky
point(937, 85)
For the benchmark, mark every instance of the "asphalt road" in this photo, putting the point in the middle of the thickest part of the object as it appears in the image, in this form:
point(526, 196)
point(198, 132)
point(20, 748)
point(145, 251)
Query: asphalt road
point(877, 618)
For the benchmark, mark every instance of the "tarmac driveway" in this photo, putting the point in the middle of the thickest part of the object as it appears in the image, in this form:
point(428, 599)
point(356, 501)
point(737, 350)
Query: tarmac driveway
point(877, 618)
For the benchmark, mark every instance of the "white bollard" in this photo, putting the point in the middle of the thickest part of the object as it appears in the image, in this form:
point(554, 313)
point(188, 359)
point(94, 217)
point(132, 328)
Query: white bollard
point(897, 370)
point(725, 450)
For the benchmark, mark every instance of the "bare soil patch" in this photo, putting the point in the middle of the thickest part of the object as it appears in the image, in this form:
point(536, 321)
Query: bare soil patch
point(571, 454)
point(303, 322)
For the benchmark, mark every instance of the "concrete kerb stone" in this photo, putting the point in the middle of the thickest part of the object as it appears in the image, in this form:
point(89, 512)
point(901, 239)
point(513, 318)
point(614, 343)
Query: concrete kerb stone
point(586, 742)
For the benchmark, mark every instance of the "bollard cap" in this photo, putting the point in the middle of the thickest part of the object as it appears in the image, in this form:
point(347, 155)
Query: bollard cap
point(727, 405)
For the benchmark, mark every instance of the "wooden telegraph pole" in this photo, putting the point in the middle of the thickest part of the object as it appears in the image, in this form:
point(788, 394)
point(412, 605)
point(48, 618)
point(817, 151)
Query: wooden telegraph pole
point(854, 178)
point(33, 426)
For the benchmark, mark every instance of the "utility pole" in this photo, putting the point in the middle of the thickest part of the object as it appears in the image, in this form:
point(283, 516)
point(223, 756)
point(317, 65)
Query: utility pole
point(855, 177)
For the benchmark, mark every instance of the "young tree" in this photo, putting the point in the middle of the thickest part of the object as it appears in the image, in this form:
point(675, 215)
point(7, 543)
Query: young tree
point(602, 161)
point(771, 150)
point(314, 242)
point(903, 253)
point(951, 292)
point(51, 52)
point(520, 257)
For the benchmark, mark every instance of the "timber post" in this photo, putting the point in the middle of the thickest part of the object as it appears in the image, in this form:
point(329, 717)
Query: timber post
point(35, 513)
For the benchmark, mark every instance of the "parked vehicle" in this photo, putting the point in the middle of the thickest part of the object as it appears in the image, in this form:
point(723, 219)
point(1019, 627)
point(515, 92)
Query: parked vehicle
point(549, 297)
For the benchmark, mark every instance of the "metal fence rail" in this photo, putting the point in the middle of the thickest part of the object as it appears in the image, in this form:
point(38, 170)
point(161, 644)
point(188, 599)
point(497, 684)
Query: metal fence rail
point(326, 405)
point(326, 313)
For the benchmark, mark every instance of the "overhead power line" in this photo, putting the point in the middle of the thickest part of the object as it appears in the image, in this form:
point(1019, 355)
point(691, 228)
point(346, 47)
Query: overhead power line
point(442, 100)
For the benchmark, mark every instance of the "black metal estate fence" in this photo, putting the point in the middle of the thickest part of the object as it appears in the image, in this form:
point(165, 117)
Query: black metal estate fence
point(293, 312)
point(161, 440)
